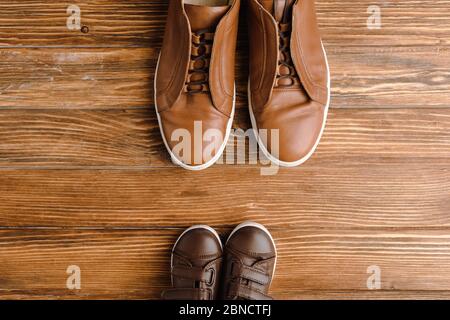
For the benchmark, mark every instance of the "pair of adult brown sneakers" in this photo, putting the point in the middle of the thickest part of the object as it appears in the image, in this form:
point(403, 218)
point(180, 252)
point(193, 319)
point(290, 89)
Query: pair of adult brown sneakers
point(203, 270)
point(289, 82)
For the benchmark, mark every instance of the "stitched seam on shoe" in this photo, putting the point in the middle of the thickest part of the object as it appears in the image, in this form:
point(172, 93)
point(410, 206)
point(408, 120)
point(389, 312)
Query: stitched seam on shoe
point(263, 24)
point(250, 289)
point(202, 256)
point(226, 31)
point(257, 280)
point(173, 76)
point(305, 66)
point(250, 253)
point(219, 109)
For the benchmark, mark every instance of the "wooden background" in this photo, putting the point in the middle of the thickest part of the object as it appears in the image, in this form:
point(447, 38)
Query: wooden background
point(85, 179)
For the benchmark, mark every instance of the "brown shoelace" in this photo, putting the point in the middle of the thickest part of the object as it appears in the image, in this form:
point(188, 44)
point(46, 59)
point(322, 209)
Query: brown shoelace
point(198, 76)
point(286, 75)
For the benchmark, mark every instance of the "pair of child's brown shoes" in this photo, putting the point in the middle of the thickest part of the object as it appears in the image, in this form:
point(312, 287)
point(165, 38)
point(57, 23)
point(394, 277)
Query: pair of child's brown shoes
point(202, 269)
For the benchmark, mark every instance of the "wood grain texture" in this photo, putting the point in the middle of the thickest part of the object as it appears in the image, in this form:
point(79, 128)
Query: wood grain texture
point(131, 138)
point(36, 23)
point(382, 196)
point(123, 78)
point(134, 264)
point(85, 179)
point(80, 78)
point(141, 23)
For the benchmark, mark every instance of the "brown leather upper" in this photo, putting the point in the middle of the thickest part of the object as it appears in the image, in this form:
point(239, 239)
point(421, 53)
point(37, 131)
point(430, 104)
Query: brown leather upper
point(196, 266)
point(288, 74)
point(250, 257)
point(195, 76)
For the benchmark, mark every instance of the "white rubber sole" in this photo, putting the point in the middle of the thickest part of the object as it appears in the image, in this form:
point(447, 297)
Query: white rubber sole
point(261, 227)
point(174, 158)
point(263, 148)
point(214, 232)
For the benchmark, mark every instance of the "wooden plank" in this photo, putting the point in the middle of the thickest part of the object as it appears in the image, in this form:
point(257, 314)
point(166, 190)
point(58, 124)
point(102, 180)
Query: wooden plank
point(117, 78)
point(141, 23)
point(291, 295)
point(403, 23)
point(135, 264)
point(131, 138)
point(405, 195)
point(390, 78)
point(362, 295)
point(111, 23)
point(85, 180)
point(81, 78)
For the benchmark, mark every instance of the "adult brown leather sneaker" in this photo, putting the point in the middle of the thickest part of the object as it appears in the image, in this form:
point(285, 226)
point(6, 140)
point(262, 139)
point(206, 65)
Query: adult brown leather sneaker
point(196, 265)
point(250, 255)
point(194, 82)
point(289, 86)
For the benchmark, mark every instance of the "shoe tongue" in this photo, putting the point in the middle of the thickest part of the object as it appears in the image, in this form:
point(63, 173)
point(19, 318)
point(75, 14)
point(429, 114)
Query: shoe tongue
point(280, 9)
point(205, 17)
